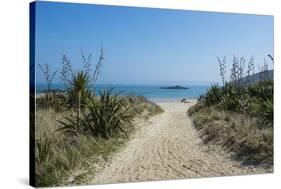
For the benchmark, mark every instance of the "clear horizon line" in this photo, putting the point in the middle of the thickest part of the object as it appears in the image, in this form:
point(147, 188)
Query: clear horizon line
point(137, 83)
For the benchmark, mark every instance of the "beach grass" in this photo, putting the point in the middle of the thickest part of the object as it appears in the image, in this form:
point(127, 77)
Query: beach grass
point(240, 119)
point(58, 154)
point(239, 114)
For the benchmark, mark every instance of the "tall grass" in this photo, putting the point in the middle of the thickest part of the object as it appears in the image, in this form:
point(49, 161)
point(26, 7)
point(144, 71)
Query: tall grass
point(58, 153)
point(239, 114)
point(242, 135)
point(50, 98)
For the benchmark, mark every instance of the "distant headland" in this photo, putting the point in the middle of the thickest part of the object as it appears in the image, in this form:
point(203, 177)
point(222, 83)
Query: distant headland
point(174, 87)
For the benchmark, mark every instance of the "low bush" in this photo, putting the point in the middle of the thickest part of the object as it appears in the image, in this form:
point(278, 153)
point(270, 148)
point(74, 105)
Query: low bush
point(254, 100)
point(213, 95)
point(55, 101)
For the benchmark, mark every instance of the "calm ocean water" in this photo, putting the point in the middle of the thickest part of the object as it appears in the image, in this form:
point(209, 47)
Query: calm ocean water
point(152, 92)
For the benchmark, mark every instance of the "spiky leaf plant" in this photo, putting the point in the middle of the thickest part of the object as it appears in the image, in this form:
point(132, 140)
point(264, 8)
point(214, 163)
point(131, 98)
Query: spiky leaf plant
point(43, 149)
point(79, 89)
point(104, 117)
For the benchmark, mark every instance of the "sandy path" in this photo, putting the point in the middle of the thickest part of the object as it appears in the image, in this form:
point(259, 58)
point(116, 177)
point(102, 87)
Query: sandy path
point(168, 147)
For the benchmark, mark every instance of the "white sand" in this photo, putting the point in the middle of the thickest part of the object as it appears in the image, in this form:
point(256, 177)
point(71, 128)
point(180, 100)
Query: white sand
point(168, 147)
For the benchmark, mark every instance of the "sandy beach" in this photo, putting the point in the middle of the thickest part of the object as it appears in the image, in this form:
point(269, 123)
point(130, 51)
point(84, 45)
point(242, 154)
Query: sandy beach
point(167, 146)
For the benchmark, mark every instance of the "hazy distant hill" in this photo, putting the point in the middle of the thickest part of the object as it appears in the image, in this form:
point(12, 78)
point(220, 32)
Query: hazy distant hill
point(253, 79)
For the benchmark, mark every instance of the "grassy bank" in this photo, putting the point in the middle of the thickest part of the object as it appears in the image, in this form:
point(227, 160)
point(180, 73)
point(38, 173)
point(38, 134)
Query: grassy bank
point(80, 125)
point(58, 152)
point(240, 119)
point(238, 115)
point(240, 134)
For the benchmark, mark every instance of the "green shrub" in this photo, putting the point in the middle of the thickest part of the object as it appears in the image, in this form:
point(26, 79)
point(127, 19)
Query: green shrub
point(264, 110)
point(103, 118)
point(55, 101)
point(213, 95)
point(267, 112)
point(263, 90)
point(255, 100)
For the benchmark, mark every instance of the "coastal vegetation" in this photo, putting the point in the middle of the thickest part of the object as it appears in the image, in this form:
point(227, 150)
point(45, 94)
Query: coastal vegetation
point(81, 123)
point(238, 115)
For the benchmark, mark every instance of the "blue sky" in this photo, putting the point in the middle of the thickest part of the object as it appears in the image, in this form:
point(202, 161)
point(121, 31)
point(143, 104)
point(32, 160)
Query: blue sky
point(148, 46)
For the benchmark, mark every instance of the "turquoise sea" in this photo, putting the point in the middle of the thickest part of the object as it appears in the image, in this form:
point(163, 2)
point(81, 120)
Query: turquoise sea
point(152, 92)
